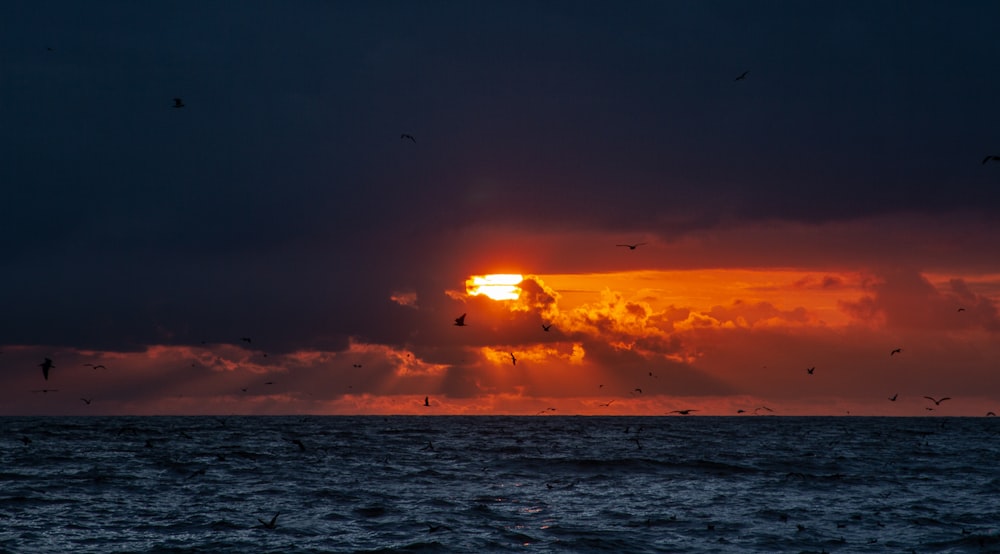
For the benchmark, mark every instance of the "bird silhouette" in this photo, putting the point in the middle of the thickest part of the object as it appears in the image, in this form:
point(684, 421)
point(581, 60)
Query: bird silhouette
point(632, 246)
point(460, 321)
point(742, 76)
point(513, 360)
point(405, 136)
point(270, 524)
point(810, 370)
point(178, 103)
point(546, 327)
point(938, 402)
point(46, 365)
point(894, 397)
point(895, 351)
point(991, 158)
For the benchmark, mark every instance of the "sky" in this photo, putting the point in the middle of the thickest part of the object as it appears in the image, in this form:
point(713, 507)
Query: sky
point(836, 204)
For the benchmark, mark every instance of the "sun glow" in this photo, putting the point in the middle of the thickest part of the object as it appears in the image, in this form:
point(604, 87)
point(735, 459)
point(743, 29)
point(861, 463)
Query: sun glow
point(501, 286)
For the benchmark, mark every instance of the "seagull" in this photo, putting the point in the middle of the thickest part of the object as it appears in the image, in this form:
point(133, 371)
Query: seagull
point(270, 524)
point(894, 397)
point(46, 366)
point(938, 402)
point(742, 76)
point(406, 136)
point(895, 351)
point(810, 370)
point(546, 328)
point(178, 103)
point(87, 401)
point(991, 159)
point(513, 360)
point(682, 412)
point(460, 321)
point(632, 246)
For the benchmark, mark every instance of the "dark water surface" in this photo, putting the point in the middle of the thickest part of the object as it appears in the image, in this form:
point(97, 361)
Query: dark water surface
point(499, 484)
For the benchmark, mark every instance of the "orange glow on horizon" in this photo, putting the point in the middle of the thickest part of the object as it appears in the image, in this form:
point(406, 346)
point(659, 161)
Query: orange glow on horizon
point(502, 286)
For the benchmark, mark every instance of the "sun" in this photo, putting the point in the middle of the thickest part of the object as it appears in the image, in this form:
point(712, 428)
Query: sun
point(501, 286)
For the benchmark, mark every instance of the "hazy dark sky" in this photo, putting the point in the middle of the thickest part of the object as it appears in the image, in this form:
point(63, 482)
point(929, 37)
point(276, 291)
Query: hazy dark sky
point(280, 202)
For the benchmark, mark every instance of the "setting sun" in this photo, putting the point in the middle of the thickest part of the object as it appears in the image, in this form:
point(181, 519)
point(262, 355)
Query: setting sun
point(498, 287)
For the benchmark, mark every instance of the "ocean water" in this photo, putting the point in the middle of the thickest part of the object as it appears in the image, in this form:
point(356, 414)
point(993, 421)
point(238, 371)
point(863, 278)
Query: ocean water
point(499, 484)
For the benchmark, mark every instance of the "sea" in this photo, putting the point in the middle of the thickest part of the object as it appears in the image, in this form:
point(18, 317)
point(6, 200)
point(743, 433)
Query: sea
point(686, 484)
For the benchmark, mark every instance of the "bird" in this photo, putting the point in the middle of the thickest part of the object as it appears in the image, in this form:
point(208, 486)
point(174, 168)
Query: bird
point(409, 137)
point(810, 370)
point(46, 366)
point(991, 158)
point(546, 328)
point(270, 524)
point(895, 351)
point(742, 76)
point(937, 402)
point(427, 401)
point(460, 320)
point(87, 401)
point(178, 103)
point(682, 412)
point(513, 360)
point(632, 246)
point(894, 397)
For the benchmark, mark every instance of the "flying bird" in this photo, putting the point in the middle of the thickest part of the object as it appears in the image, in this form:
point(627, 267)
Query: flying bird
point(894, 397)
point(938, 402)
point(178, 103)
point(46, 366)
point(632, 246)
point(895, 351)
point(270, 524)
point(405, 136)
point(742, 76)
point(513, 360)
point(460, 321)
point(991, 159)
